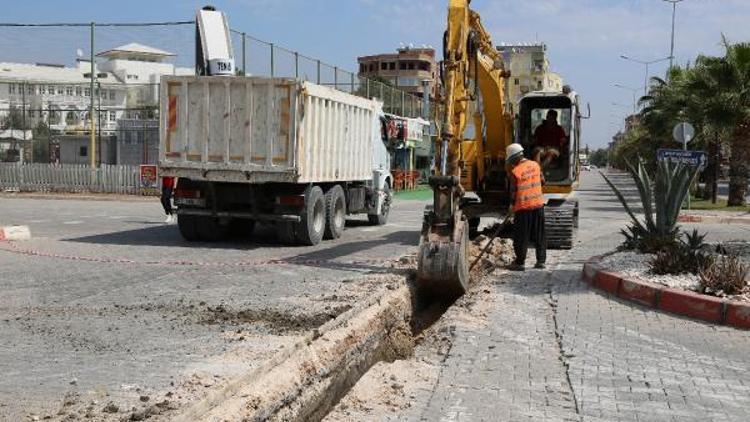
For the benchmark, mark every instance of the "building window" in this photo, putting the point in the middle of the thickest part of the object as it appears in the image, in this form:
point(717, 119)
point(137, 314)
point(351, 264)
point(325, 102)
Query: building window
point(112, 94)
point(392, 66)
point(83, 151)
point(69, 90)
point(30, 89)
point(372, 67)
point(42, 90)
point(134, 77)
point(87, 92)
point(411, 66)
point(51, 90)
point(11, 88)
point(78, 91)
point(383, 66)
point(516, 81)
point(401, 65)
point(59, 90)
point(539, 84)
point(112, 116)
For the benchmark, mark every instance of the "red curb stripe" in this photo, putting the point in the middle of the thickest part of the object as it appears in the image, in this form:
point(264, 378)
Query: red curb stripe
point(643, 293)
point(691, 304)
point(607, 281)
point(680, 302)
point(738, 315)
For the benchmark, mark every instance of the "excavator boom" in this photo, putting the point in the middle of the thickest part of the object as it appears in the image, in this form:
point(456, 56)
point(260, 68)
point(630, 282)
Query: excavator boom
point(474, 83)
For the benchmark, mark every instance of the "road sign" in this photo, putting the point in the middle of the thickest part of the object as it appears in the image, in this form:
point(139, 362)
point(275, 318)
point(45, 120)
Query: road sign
point(683, 133)
point(693, 158)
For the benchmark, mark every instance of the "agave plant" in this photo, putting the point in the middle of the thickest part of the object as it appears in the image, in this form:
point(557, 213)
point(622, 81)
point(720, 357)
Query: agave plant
point(661, 199)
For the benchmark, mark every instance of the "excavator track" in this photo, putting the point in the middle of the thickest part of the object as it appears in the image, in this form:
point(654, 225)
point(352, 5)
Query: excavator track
point(560, 224)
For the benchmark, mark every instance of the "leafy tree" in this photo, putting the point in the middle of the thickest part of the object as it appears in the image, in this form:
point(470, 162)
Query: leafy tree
point(599, 157)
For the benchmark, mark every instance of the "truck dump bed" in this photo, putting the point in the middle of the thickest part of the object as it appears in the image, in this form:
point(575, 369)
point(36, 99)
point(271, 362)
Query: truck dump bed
point(259, 130)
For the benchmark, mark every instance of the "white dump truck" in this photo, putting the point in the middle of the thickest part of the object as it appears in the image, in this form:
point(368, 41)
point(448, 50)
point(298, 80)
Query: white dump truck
point(245, 149)
point(253, 149)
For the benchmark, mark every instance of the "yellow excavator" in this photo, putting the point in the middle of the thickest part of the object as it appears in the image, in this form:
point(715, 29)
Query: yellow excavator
point(469, 180)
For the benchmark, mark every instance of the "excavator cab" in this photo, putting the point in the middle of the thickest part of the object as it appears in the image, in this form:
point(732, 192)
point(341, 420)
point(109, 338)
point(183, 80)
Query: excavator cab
point(534, 108)
point(561, 173)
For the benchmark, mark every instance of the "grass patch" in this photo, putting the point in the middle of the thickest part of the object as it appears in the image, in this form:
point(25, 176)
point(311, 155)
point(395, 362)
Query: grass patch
point(421, 193)
point(720, 205)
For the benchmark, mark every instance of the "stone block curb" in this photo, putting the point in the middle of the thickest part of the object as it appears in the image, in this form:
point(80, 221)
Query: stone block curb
point(679, 302)
point(15, 233)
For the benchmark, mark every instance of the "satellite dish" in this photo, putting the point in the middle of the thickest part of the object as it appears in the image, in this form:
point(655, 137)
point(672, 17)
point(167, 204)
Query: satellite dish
point(79, 53)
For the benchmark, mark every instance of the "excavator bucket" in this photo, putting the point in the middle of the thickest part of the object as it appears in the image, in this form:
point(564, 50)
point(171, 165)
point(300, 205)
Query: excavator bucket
point(443, 269)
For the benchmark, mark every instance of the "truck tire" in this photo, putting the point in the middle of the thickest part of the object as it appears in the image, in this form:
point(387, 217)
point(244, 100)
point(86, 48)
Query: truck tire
point(335, 213)
point(309, 231)
point(188, 225)
point(286, 231)
point(382, 218)
point(210, 230)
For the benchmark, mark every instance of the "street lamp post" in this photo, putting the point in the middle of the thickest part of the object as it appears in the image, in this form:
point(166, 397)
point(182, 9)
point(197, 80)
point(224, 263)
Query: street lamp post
point(646, 63)
point(633, 90)
point(674, 13)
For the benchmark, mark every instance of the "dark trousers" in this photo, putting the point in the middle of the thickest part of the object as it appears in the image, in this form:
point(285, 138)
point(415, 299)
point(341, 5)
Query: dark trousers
point(529, 226)
point(166, 200)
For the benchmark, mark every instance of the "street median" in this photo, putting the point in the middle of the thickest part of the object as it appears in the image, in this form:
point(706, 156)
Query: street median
point(679, 302)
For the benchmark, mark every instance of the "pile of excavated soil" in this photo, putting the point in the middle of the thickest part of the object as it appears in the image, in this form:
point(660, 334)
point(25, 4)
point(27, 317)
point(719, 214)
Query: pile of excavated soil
point(499, 254)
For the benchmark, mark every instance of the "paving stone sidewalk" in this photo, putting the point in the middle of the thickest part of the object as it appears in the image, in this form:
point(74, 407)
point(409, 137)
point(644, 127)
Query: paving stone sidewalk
point(556, 350)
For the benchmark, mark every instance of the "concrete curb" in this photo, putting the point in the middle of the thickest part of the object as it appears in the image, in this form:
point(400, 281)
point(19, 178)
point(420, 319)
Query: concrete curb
point(305, 381)
point(716, 219)
point(680, 302)
point(15, 233)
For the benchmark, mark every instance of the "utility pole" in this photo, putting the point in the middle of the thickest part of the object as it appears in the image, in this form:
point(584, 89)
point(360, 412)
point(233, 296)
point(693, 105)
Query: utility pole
point(674, 13)
point(92, 140)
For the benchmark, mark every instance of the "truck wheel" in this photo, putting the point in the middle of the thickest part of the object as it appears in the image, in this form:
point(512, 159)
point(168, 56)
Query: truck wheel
point(382, 218)
point(335, 213)
point(210, 230)
point(286, 231)
point(310, 230)
point(188, 225)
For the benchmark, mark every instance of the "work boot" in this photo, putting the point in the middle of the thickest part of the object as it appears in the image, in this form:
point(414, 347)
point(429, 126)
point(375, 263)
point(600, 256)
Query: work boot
point(540, 266)
point(515, 267)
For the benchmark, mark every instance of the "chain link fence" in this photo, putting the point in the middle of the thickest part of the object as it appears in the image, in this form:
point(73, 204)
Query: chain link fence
point(46, 108)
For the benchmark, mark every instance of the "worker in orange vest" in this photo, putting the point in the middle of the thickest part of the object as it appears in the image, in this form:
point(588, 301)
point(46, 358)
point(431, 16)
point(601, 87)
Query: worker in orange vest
point(527, 202)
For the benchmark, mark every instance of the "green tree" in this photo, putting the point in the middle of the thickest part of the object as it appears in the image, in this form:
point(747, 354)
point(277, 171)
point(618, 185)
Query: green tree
point(15, 120)
point(726, 80)
point(599, 157)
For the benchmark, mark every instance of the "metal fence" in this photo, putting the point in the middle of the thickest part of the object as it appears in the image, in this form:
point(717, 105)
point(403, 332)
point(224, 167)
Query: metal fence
point(55, 113)
point(116, 179)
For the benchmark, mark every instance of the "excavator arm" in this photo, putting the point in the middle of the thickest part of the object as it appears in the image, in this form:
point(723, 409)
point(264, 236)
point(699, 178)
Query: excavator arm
point(474, 82)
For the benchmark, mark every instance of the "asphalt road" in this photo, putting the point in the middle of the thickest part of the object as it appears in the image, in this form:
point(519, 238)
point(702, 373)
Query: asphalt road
point(108, 304)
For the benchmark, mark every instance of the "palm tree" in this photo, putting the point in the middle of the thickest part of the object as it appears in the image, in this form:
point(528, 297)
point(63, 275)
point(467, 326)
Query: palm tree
point(726, 81)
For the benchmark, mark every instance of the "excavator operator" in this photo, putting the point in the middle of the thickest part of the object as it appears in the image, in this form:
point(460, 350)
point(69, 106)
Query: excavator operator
point(528, 207)
point(549, 140)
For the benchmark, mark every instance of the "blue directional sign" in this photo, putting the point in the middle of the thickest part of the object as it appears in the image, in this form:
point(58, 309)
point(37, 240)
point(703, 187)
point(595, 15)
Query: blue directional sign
point(693, 158)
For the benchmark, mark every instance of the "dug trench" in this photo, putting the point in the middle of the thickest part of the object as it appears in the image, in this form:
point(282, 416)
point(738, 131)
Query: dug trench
point(306, 382)
point(312, 361)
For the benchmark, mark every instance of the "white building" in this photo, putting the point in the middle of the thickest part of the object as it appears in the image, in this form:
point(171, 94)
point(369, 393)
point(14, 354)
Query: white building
point(126, 88)
point(140, 67)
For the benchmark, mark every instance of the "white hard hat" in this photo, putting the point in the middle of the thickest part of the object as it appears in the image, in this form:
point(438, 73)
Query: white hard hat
point(513, 151)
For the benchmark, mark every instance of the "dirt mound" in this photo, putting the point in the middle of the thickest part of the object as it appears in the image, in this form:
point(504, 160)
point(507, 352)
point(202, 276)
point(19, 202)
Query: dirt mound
point(498, 254)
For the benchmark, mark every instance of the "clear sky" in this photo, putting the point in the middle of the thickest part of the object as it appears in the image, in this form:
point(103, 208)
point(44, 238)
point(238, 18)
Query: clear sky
point(585, 37)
